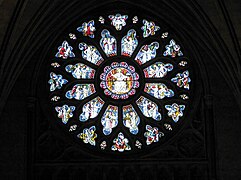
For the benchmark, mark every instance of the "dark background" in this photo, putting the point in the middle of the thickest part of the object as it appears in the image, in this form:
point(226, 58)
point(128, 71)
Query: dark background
point(211, 27)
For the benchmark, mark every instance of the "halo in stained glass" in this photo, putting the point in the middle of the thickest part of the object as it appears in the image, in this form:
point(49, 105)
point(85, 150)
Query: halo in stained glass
point(120, 85)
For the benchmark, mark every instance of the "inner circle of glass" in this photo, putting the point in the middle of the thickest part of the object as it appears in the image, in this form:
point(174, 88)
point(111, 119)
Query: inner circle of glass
point(119, 80)
point(120, 83)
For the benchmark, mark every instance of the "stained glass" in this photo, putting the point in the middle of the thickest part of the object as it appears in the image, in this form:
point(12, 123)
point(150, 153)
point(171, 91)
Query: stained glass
point(90, 53)
point(158, 90)
point(72, 128)
point(121, 143)
point(175, 111)
point(184, 96)
point(65, 51)
point(129, 43)
point(88, 135)
point(149, 28)
point(182, 80)
point(56, 81)
point(173, 49)
point(87, 29)
point(135, 19)
point(101, 20)
point(148, 108)
point(103, 145)
point(91, 109)
point(164, 35)
point(119, 80)
point(108, 43)
point(182, 63)
point(55, 65)
point(80, 71)
point(131, 119)
point(147, 53)
point(80, 91)
point(138, 144)
point(55, 98)
point(110, 119)
point(157, 70)
point(152, 134)
point(118, 21)
point(72, 36)
point(65, 112)
point(129, 93)
point(168, 127)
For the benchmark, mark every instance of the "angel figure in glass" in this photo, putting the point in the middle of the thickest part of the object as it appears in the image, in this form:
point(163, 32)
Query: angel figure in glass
point(91, 109)
point(108, 43)
point(147, 53)
point(131, 119)
point(110, 119)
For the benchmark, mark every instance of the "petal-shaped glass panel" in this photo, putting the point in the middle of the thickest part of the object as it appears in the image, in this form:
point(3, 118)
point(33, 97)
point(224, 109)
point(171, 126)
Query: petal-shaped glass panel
point(158, 90)
point(110, 119)
point(129, 43)
point(157, 70)
point(91, 109)
point(131, 119)
point(108, 43)
point(148, 108)
point(80, 91)
point(147, 53)
point(80, 71)
point(91, 54)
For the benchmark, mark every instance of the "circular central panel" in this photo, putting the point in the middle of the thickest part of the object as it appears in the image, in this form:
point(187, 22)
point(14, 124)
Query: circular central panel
point(119, 80)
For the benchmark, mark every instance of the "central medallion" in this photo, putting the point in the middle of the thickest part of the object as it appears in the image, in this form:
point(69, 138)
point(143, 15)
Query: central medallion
point(119, 80)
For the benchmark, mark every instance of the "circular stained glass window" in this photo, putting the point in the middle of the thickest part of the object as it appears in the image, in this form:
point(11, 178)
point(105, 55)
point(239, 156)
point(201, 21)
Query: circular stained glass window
point(120, 84)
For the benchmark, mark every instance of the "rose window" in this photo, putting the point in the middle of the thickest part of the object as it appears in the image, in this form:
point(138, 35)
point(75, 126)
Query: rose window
point(120, 84)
